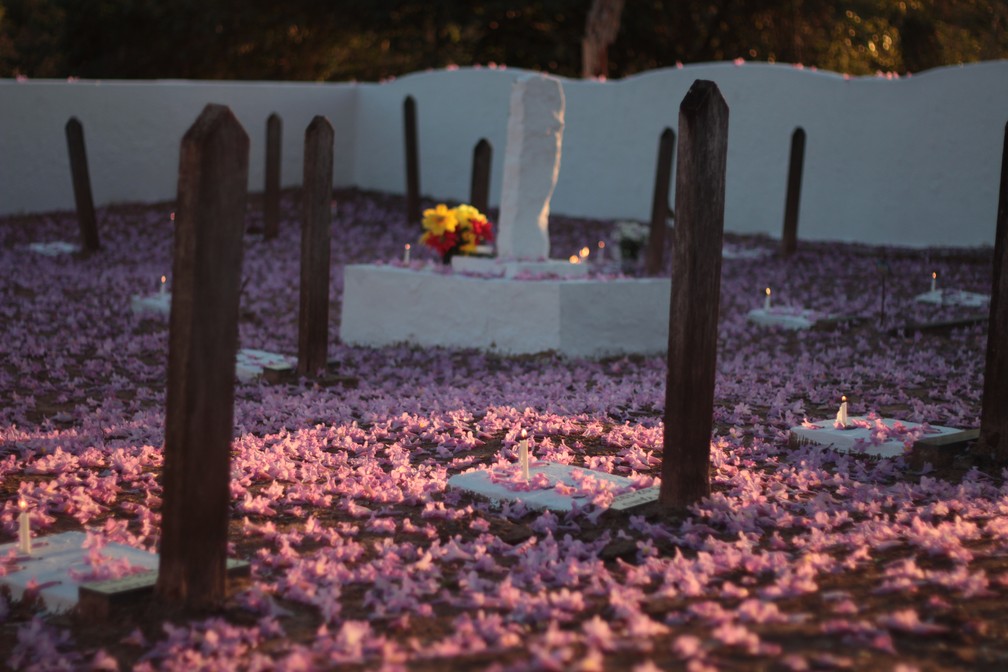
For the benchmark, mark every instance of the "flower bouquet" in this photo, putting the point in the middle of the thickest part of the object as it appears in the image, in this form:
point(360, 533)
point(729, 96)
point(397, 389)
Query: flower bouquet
point(459, 230)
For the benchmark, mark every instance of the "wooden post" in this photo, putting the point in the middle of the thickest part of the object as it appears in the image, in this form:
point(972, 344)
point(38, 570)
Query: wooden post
point(479, 187)
point(994, 412)
point(82, 185)
point(271, 192)
point(412, 162)
point(313, 319)
point(696, 286)
point(789, 237)
point(202, 345)
point(659, 204)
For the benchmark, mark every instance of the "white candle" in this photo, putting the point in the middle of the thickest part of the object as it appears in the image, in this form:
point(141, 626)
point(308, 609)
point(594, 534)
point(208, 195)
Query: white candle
point(841, 416)
point(163, 289)
point(601, 251)
point(766, 301)
point(406, 254)
point(24, 529)
point(523, 455)
point(934, 281)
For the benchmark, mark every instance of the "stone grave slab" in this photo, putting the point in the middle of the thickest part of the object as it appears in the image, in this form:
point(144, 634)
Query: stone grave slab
point(251, 363)
point(954, 297)
point(550, 486)
point(59, 569)
point(54, 248)
point(868, 435)
point(152, 304)
point(786, 318)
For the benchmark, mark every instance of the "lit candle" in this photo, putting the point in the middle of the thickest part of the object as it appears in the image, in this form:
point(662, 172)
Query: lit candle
point(841, 416)
point(934, 281)
point(766, 301)
point(584, 252)
point(601, 251)
point(523, 456)
point(24, 529)
point(406, 254)
point(574, 259)
point(163, 289)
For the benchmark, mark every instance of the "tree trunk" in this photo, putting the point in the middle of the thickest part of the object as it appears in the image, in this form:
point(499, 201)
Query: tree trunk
point(600, 31)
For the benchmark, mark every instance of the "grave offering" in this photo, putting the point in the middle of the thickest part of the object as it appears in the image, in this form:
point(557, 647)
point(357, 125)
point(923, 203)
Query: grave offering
point(521, 301)
point(553, 486)
point(952, 297)
point(156, 304)
point(786, 317)
point(866, 435)
point(54, 248)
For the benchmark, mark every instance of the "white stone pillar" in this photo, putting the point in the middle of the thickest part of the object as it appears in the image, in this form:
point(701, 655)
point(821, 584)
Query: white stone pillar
point(531, 166)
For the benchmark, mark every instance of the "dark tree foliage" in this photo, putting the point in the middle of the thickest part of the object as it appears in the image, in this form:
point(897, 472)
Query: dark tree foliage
point(374, 39)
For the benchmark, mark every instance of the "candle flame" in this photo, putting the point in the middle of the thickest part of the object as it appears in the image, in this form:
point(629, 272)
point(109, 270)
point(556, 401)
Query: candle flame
point(22, 504)
point(934, 275)
point(575, 259)
point(584, 252)
point(843, 399)
point(407, 246)
point(524, 434)
point(164, 279)
point(768, 291)
point(601, 244)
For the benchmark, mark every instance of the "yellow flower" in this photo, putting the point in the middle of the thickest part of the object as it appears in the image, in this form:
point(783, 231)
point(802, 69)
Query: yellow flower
point(468, 243)
point(465, 214)
point(439, 220)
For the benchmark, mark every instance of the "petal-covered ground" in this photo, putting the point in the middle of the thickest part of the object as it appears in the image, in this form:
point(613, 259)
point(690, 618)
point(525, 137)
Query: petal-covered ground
point(801, 558)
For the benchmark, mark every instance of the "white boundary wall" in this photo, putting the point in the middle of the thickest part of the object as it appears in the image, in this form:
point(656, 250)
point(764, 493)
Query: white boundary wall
point(912, 161)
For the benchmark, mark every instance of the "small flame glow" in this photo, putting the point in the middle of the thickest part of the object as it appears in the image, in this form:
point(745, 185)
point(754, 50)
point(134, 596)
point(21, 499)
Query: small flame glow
point(934, 275)
point(601, 244)
point(22, 504)
point(768, 291)
point(407, 247)
point(584, 252)
point(575, 259)
point(524, 434)
point(164, 279)
point(843, 399)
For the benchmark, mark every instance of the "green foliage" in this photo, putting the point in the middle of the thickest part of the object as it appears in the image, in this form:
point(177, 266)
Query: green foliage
point(373, 39)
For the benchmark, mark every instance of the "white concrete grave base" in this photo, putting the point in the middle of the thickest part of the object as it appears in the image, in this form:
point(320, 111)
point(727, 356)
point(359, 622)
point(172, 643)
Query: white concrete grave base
point(954, 297)
point(250, 363)
point(51, 562)
point(54, 248)
point(859, 439)
point(152, 304)
point(786, 318)
point(481, 483)
point(388, 305)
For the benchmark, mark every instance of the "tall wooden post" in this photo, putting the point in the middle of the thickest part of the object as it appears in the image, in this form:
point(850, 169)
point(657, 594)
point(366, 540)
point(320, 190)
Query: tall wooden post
point(696, 286)
point(82, 185)
point(994, 412)
point(271, 191)
point(479, 186)
point(203, 343)
point(659, 203)
point(789, 237)
point(412, 161)
point(313, 319)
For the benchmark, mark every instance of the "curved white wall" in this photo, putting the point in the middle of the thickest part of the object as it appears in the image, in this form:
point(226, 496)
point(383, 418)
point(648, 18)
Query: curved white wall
point(912, 161)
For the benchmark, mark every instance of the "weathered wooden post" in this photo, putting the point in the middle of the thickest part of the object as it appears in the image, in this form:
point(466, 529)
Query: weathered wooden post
point(271, 191)
point(789, 237)
point(412, 161)
point(313, 318)
point(203, 342)
point(659, 204)
point(479, 186)
point(696, 286)
point(82, 185)
point(994, 412)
